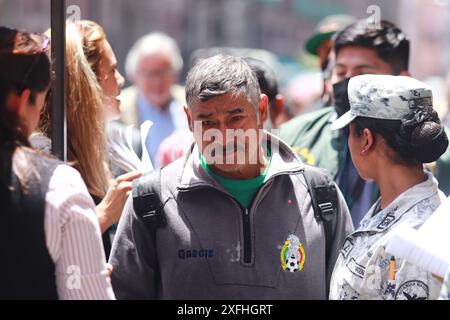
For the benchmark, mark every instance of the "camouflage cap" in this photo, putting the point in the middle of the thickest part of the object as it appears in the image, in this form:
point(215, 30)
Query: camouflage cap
point(384, 97)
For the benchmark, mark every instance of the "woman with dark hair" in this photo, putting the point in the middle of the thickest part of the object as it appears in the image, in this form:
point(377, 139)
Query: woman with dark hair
point(394, 130)
point(50, 240)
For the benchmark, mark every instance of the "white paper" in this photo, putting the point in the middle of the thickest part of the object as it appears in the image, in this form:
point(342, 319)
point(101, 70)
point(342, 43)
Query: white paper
point(146, 161)
point(427, 247)
point(122, 153)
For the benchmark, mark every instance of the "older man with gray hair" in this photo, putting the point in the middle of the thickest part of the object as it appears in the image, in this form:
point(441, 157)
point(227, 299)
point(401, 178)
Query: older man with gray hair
point(234, 218)
point(153, 65)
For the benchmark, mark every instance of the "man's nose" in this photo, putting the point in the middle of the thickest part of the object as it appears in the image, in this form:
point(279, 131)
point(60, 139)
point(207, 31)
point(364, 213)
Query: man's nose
point(223, 130)
point(352, 73)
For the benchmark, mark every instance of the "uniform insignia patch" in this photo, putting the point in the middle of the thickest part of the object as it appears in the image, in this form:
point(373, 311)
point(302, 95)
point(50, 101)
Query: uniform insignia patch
point(412, 290)
point(355, 268)
point(305, 155)
point(347, 248)
point(387, 221)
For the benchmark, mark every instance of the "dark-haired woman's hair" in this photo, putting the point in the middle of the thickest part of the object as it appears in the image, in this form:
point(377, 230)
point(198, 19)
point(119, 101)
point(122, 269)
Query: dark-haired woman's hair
point(388, 41)
point(18, 71)
point(418, 138)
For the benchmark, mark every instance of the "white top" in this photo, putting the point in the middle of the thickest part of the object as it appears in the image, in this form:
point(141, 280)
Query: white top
point(364, 269)
point(73, 239)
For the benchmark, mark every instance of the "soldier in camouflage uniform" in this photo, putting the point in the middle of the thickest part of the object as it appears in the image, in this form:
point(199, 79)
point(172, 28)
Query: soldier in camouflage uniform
point(393, 131)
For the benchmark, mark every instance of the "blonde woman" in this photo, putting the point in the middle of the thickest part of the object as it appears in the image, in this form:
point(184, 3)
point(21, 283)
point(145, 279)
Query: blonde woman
point(93, 84)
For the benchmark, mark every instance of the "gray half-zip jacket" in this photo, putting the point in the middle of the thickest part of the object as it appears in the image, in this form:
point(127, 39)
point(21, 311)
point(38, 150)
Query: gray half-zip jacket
point(212, 248)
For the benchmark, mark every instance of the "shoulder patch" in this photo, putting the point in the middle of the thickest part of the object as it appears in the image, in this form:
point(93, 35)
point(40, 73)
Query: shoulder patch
point(412, 290)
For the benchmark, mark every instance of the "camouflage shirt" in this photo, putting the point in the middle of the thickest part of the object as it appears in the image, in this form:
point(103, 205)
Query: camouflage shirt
point(364, 270)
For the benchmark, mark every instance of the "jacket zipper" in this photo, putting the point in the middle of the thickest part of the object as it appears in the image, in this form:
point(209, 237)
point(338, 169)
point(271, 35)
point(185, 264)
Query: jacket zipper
point(247, 237)
point(246, 226)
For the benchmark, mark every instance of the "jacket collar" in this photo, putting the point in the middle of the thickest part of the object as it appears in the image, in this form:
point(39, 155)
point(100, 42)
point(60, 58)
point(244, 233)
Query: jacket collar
point(193, 175)
point(388, 217)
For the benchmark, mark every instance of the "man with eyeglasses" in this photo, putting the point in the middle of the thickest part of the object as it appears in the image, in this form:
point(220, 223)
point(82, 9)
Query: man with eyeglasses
point(153, 65)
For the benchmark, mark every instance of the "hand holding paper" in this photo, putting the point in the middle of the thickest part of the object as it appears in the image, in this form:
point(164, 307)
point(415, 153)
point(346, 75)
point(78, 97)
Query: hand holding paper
point(429, 246)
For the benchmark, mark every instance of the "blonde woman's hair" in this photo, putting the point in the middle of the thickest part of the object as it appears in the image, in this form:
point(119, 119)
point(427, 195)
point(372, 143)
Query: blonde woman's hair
point(93, 37)
point(86, 143)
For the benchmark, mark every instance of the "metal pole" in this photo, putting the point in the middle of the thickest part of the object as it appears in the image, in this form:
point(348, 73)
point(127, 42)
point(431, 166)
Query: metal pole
point(59, 123)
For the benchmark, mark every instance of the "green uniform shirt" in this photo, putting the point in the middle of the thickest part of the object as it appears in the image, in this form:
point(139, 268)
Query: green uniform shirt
point(242, 190)
point(311, 138)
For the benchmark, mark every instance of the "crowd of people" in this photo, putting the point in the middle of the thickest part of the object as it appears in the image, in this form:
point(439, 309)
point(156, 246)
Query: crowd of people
point(231, 210)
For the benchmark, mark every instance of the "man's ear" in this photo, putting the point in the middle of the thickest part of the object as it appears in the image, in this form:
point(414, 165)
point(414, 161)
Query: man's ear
point(263, 108)
point(279, 103)
point(188, 118)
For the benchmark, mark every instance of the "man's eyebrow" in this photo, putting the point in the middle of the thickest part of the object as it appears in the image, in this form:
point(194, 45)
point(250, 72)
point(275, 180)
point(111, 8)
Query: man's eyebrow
point(341, 65)
point(204, 115)
point(237, 110)
point(368, 66)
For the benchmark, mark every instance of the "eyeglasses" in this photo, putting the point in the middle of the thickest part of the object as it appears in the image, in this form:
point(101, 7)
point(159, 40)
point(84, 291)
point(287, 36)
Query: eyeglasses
point(160, 74)
point(28, 44)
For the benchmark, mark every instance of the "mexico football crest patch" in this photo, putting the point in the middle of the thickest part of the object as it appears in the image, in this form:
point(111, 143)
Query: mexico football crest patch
point(292, 254)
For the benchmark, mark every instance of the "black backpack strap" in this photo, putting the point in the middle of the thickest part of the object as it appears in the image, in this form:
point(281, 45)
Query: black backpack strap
point(324, 198)
point(148, 207)
point(147, 202)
